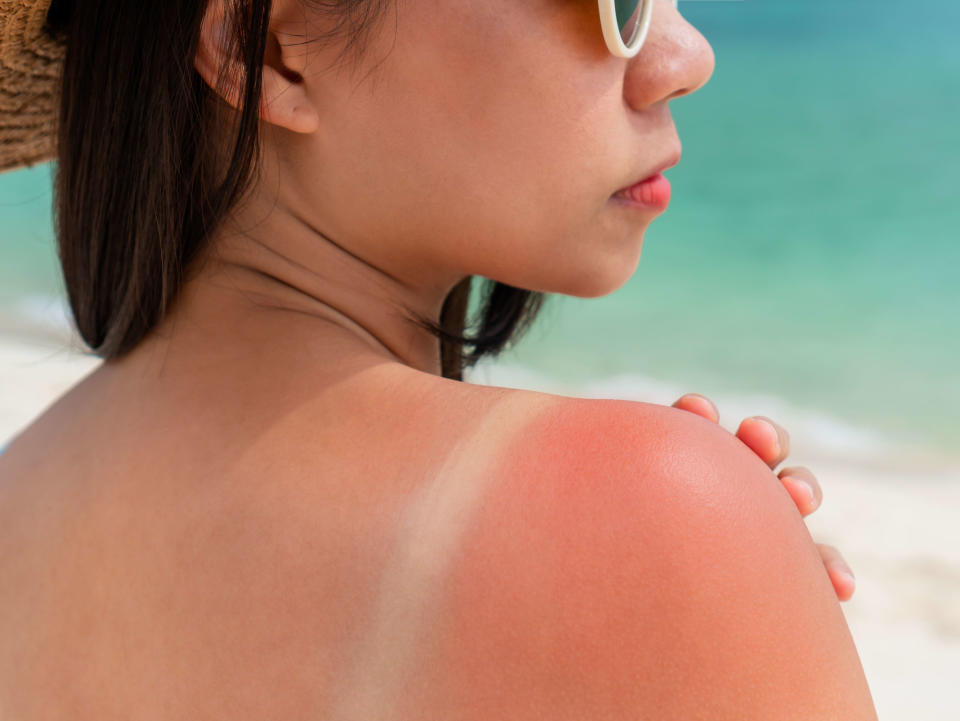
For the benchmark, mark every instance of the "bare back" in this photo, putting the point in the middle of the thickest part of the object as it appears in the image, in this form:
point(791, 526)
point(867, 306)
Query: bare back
point(248, 566)
point(394, 542)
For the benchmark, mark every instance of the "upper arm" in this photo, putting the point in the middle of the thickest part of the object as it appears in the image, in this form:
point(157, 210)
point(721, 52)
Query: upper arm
point(637, 561)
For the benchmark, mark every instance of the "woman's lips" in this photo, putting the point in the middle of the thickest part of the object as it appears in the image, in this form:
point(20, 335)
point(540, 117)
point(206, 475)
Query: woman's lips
point(654, 193)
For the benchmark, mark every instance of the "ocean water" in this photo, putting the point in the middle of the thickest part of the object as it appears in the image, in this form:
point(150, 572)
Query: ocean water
point(808, 262)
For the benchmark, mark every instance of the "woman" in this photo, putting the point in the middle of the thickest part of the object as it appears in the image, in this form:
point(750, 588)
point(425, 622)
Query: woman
point(276, 498)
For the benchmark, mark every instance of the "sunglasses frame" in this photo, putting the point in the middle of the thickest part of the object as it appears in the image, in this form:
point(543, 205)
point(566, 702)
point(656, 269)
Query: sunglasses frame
point(611, 30)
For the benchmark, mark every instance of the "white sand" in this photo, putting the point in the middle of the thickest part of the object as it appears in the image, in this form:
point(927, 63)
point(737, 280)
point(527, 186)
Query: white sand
point(34, 371)
point(897, 523)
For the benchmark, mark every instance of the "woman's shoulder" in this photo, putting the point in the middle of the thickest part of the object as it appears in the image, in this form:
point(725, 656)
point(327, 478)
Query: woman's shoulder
point(634, 556)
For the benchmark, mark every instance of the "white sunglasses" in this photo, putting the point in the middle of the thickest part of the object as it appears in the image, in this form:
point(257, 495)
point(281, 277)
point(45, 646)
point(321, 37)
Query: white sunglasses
point(625, 24)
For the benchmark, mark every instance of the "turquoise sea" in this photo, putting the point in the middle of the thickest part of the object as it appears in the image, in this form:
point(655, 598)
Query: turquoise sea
point(810, 255)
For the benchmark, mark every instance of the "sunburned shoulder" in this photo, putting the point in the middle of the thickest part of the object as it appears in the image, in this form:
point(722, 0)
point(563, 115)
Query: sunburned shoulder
point(629, 560)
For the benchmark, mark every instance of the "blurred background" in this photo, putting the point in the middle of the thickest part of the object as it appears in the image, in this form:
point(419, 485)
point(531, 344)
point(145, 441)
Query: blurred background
point(806, 270)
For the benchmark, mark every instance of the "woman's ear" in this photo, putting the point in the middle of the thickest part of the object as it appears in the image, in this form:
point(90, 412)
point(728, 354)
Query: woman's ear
point(286, 101)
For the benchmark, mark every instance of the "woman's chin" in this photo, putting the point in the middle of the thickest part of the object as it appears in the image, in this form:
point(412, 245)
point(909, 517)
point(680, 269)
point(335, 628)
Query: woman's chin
point(597, 282)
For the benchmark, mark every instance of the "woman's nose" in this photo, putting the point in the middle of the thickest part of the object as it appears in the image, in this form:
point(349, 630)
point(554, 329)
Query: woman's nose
point(675, 60)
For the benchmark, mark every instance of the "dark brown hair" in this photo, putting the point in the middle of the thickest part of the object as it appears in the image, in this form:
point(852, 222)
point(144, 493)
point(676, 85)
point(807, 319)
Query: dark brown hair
point(138, 189)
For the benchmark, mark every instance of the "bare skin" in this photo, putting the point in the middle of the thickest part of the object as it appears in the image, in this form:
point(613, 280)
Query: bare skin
point(320, 562)
point(771, 442)
point(205, 527)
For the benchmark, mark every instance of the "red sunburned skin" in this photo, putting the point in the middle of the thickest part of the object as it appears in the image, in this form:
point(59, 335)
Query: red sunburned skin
point(576, 562)
point(654, 192)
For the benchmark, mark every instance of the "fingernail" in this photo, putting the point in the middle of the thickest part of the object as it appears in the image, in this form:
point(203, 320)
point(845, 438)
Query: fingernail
point(806, 489)
point(850, 578)
point(773, 433)
point(704, 398)
point(844, 570)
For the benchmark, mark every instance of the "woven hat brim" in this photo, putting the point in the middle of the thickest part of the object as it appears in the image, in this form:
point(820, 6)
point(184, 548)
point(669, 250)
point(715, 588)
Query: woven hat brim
point(30, 65)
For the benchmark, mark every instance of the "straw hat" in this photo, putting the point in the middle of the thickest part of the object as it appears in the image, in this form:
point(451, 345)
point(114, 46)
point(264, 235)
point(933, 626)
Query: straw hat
point(30, 63)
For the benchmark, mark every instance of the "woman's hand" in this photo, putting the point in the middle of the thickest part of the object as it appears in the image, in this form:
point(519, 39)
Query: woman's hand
point(772, 444)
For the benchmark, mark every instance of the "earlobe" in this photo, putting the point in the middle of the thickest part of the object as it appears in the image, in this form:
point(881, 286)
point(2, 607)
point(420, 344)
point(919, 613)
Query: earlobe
point(286, 103)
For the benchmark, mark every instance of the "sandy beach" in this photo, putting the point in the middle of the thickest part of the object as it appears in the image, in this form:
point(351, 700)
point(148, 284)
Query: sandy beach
point(894, 518)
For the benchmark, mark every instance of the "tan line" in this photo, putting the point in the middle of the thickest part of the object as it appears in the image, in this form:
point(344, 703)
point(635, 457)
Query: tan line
point(431, 529)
